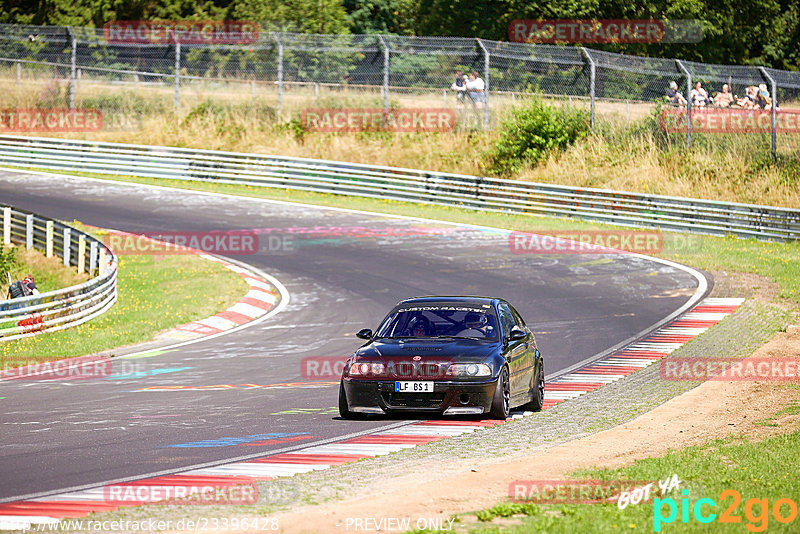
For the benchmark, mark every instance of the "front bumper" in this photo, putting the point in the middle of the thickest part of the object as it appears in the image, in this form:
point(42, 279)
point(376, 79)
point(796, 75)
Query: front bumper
point(448, 397)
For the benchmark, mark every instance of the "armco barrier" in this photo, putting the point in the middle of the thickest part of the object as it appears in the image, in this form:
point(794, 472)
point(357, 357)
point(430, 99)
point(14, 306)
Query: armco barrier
point(492, 194)
point(71, 306)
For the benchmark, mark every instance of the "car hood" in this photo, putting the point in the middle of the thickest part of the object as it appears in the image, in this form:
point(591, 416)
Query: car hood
point(468, 350)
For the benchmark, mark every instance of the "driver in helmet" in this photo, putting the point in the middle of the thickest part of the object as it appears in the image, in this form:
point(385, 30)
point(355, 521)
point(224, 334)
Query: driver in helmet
point(477, 322)
point(420, 327)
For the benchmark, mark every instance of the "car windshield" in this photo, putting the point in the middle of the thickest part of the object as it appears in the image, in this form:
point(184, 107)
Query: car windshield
point(437, 320)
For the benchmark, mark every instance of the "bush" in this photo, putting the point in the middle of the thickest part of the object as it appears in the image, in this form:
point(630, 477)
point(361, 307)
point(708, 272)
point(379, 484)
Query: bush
point(8, 263)
point(532, 132)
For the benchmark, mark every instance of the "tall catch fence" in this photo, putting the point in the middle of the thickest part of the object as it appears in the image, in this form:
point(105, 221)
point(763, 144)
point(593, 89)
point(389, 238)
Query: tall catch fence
point(279, 74)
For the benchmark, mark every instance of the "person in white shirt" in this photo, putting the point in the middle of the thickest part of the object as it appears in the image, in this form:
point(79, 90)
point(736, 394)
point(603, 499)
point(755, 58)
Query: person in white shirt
point(699, 96)
point(476, 89)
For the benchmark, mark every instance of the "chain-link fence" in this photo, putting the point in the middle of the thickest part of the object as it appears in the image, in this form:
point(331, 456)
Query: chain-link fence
point(280, 74)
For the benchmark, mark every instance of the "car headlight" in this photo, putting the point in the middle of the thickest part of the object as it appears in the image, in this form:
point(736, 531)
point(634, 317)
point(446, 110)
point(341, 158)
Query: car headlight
point(364, 369)
point(469, 369)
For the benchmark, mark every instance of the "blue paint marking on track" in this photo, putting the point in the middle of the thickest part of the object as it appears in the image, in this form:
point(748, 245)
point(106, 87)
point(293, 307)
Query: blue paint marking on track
point(225, 442)
point(151, 372)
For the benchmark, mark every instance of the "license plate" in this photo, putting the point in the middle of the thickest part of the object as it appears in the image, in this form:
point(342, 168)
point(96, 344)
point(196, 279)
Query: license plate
point(413, 387)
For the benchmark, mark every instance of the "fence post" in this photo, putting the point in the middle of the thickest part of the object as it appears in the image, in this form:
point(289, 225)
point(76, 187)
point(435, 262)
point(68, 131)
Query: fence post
point(486, 59)
point(67, 246)
point(29, 231)
point(280, 72)
point(73, 79)
point(688, 75)
point(385, 86)
point(177, 74)
point(19, 73)
point(81, 253)
point(592, 83)
point(49, 240)
point(7, 226)
point(774, 88)
point(92, 256)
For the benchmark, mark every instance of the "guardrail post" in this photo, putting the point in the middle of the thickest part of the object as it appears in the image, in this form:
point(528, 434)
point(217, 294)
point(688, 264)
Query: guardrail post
point(72, 65)
point(592, 82)
point(49, 240)
point(92, 256)
point(385, 86)
point(774, 88)
point(101, 264)
point(7, 226)
point(485, 83)
point(29, 231)
point(688, 101)
point(177, 74)
point(280, 72)
point(67, 246)
point(81, 253)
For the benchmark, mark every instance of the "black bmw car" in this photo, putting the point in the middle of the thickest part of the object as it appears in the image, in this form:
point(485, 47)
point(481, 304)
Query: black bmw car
point(447, 355)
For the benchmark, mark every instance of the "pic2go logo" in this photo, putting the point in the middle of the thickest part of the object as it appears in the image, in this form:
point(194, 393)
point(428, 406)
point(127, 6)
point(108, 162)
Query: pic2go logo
point(783, 511)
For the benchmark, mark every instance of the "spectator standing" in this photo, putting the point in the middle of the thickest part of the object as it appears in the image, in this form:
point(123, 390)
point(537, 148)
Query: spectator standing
point(476, 89)
point(460, 86)
point(674, 96)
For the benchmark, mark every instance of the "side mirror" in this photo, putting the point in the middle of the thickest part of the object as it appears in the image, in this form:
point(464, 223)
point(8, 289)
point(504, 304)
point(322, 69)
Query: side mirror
point(516, 333)
point(366, 333)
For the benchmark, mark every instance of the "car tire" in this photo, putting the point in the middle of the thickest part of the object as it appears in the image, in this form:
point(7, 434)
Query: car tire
point(344, 409)
point(501, 402)
point(536, 404)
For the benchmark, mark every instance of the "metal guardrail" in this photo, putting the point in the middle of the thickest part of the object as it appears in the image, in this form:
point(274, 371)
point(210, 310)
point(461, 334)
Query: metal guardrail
point(479, 193)
point(62, 308)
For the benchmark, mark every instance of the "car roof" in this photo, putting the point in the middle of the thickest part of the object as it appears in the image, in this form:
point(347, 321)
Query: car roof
point(452, 298)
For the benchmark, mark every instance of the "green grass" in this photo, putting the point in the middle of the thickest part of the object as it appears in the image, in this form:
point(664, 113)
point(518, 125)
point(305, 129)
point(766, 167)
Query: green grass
point(776, 261)
point(757, 470)
point(155, 293)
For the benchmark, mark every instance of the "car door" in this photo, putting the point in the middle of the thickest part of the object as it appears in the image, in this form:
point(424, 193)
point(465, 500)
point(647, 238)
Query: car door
point(527, 374)
point(515, 351)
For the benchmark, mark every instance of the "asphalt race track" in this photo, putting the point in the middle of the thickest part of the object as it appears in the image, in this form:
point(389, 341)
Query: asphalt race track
point(341, 277)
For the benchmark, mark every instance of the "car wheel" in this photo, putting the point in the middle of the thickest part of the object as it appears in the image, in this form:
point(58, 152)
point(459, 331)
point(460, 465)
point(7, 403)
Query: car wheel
point(501, 402)
point(538, 391)
point(344, 410)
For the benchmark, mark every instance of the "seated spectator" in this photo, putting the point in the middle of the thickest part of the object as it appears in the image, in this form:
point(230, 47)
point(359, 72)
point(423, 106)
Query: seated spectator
point(674, 96)
point(475, 89)
point(699, 96)
point(749, 100)
point(725, 98)
point(22, 288)
point(762, 97)
point(28, 281)
point(460, 86)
